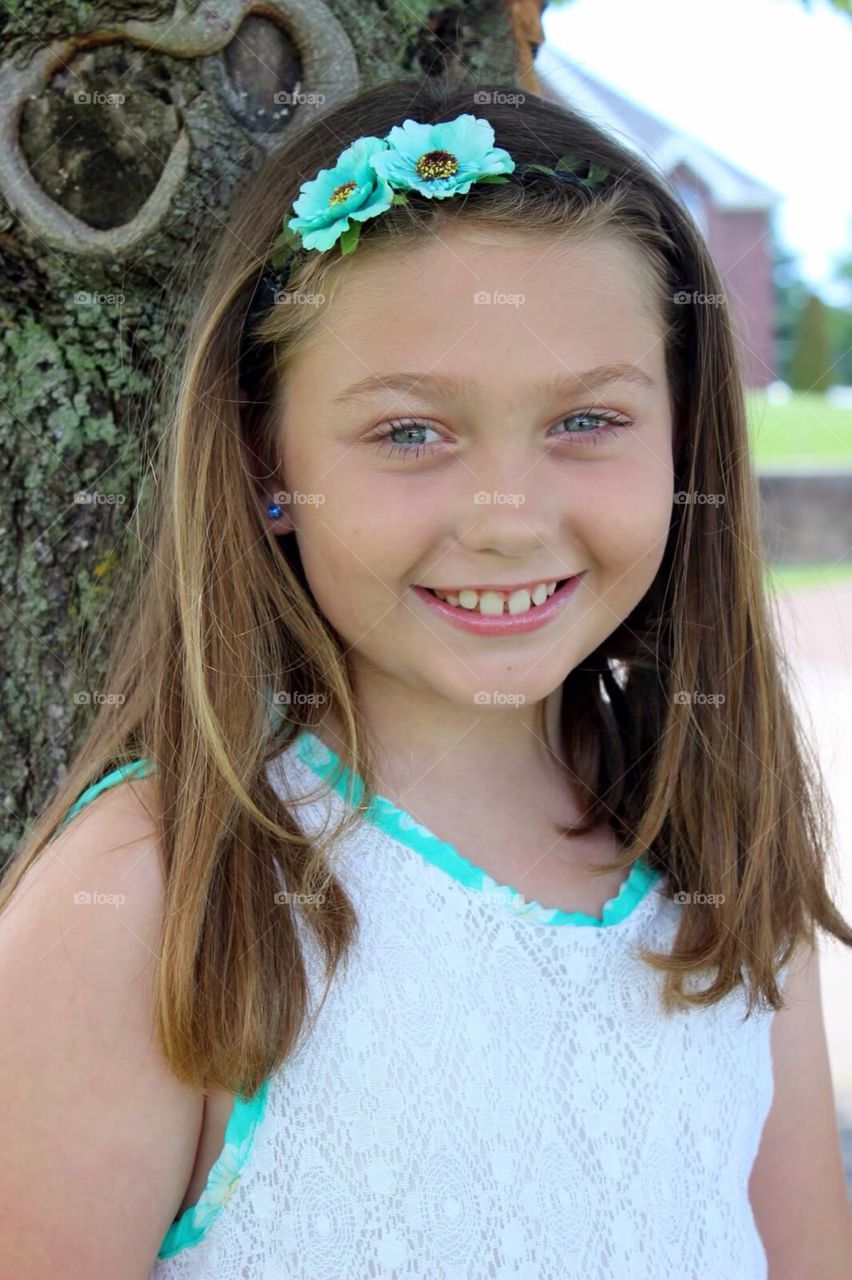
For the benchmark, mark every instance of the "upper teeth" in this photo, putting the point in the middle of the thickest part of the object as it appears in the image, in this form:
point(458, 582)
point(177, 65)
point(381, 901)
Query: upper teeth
point(491, 602)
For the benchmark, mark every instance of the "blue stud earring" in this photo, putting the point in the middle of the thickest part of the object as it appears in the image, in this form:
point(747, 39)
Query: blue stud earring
point(273, 511)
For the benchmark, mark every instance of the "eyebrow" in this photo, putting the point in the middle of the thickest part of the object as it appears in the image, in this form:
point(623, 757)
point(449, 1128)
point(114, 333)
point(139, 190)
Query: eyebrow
point(446, 387)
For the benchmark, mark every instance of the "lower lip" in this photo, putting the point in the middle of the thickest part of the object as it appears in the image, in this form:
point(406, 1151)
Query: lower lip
point(507, 623)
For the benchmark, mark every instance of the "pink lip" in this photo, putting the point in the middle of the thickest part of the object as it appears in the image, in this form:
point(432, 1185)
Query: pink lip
point(507, 624)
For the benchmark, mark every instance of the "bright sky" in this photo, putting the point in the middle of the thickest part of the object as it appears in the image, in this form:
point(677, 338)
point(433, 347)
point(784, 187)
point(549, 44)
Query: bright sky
point(763, 83)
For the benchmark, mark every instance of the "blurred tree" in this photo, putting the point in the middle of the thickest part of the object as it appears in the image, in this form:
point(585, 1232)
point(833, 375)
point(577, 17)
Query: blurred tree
point(790, 292)
point(810, 362)
point(840, 322)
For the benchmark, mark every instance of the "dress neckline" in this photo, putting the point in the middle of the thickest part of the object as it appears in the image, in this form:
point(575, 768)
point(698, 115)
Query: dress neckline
point(407, 830)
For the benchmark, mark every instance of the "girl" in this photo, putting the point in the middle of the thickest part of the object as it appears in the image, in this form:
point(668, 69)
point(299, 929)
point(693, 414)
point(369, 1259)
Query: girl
point(452, 828)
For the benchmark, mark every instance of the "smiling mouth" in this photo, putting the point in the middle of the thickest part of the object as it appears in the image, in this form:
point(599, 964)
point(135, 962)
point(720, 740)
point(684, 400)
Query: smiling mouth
point(494, 604)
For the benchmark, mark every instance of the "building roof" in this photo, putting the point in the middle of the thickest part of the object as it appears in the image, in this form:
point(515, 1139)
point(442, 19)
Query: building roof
point(666, 146)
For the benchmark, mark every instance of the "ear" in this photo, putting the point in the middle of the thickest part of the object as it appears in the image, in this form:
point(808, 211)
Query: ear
point(271, 496)
point(280, 522)
point(269, 489)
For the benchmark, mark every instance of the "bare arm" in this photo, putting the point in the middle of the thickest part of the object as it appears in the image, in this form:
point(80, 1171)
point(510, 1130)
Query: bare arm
point(797, 1188)
point(99, 1137)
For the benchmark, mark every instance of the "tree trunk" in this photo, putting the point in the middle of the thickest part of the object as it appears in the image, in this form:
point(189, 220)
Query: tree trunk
point(121, 142)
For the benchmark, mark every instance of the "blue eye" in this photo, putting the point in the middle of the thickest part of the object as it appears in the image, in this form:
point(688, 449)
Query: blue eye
point(402, 425)
point(609, 425)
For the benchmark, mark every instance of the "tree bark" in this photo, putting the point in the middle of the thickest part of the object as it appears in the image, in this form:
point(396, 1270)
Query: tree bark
point(123, 134)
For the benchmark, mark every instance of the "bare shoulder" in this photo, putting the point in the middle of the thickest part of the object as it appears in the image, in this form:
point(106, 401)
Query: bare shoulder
point(797, 1188)
point(100, 1137)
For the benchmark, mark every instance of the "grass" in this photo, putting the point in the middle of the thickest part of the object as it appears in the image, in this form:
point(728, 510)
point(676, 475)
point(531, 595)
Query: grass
point(788, 577)
point(805, 432)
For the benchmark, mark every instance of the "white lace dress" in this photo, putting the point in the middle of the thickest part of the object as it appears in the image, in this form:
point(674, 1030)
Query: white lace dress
point(490, 1091)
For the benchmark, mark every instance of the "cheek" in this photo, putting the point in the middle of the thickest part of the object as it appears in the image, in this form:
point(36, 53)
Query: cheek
point(627, 516)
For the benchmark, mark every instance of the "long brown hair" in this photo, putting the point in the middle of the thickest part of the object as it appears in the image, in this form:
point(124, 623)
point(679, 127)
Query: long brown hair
point(719, 795)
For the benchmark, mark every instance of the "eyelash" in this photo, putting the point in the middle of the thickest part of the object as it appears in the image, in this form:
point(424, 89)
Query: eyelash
point(620, 423)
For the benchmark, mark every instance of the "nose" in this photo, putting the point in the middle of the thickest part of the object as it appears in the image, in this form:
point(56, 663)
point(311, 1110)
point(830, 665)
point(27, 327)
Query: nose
point(509, 506)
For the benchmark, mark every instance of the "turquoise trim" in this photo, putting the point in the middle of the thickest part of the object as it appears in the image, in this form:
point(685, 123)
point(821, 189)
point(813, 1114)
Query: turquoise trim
point(246, 1112)
point(402, 826)
point(140, 767)
point(223, 1177)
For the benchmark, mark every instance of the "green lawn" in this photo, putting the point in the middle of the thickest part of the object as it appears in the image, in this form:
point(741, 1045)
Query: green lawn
point(783, 577)
point(805, 432)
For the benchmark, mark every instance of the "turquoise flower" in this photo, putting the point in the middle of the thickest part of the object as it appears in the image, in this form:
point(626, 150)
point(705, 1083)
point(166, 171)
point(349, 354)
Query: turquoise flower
point(440, 160)
point(352, 190)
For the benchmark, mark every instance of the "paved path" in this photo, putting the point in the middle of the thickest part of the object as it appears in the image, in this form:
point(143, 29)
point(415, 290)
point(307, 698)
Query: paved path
point(816, 628)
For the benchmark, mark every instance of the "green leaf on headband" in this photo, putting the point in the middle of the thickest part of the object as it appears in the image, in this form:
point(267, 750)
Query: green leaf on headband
point(493, 177)
point(567, 164)
point(278, 256)
point(597, 173)
point(280, 251)
point(286, 242)
point(541, 168)
point(349, 237)
point(399, 197)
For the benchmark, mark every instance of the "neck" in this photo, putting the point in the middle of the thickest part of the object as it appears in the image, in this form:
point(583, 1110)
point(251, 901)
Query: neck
point(415, 735)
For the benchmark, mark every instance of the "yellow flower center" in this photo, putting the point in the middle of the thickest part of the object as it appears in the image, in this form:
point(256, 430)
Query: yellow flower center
point(436, 164)
point(340, 193)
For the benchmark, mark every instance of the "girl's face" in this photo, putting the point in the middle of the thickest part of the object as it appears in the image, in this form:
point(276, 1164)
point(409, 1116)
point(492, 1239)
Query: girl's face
point(496, 478)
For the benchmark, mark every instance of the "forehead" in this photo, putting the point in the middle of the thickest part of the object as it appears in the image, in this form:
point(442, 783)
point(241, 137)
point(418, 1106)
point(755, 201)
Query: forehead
point(490, 304)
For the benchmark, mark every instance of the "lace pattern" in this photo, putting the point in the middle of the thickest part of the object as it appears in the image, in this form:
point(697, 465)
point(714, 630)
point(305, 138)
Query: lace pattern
point(483, 1098)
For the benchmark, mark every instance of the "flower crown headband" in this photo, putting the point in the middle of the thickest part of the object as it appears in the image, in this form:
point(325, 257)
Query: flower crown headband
point(370, 175)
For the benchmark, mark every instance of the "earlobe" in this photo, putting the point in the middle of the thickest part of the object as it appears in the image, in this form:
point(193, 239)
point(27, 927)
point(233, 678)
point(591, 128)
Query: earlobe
point(276, 515)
